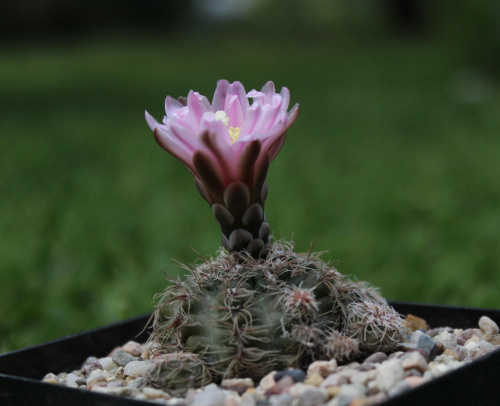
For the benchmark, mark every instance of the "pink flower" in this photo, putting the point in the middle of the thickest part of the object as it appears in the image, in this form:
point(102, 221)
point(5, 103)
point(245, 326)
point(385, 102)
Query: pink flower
point(229, 140)
point(228, 146)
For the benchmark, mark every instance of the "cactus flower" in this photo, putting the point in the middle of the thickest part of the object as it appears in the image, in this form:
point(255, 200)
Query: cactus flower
point(228, 145)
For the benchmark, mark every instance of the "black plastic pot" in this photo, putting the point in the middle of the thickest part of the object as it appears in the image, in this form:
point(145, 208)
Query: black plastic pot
point(20, 371)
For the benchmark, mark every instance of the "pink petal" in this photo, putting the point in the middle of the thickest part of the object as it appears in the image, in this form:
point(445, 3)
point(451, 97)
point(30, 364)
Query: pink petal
point(293, 114)
point(234, 111)
point(184, 137)
point(208, 123)
point(251, 119)
point(269, 90)
point(285, 98)
point(171, 145)
point(151, 121)
point(197, 105)
point(172, 106)
point(219, 99)
point(237, 89)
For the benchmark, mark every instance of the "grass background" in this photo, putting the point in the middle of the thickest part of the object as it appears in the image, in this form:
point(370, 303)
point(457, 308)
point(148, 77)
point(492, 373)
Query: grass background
point(392, 167)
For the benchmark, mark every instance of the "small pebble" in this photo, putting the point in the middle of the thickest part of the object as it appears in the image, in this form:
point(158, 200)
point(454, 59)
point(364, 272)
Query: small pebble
point(449, 340)
point(296, 374)
point(268, 383)
point(95, 377)
point(138, 368)
point(334, 380)
point(488, 326)
point(121, 357)
point(107, 363)
point(414, 323)
point(478, 349)
point(389, 374)
point(285, 399)
point(323, 368)
point(312, 397)
point(210, 396)
point(133, 348)
point(50, 378)
point(414, 360)
point(284, 384)
point(376, 358)
point(347, 394)
point(425, 343)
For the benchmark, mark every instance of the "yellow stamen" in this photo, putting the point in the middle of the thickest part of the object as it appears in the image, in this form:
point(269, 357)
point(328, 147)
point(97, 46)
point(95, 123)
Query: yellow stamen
point(234, 132)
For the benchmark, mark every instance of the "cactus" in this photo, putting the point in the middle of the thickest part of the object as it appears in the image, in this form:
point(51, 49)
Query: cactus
point(248, 318)
point(257, 306)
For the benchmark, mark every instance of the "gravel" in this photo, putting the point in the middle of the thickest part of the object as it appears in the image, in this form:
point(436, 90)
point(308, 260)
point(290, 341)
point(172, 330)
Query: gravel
point(425, 355)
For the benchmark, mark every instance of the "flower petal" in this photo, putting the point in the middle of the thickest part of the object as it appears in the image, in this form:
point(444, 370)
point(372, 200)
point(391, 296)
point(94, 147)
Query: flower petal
point(171, 145)
point(172, 105)
point(234, 111)
point(269, 90)
point(222, 153)
point(208, 172)
point(220, 95)
point(247, 161)
point(237, 89)
point(285, 98)
point(151, 120)
point(197, 105)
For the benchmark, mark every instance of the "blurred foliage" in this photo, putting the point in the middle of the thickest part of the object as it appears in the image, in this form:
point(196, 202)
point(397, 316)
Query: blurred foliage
point(392, 166)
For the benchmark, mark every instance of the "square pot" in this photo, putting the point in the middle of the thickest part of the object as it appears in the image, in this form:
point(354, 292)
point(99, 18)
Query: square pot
point(20, 371)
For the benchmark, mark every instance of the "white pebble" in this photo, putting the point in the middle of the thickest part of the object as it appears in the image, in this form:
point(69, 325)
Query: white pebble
point(389, 373)
point(133, 348)
point(415, 360)
point(96, 376)
point(210, 396)
point(449, 340)
point(488, 326)
point(72, 380)
point(138, 368)
point(152, 393)
point(476, 349)
point(107, 363)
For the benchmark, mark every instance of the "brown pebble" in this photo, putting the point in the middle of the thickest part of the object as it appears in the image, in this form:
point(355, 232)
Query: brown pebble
point(91, 366)
point(492, 339)
point(440, 348)
point(314, 379)
point(451, 353)
point(414, 323)
point(332, 391)
point(323, 368)
point(268, 382)
point(360, 402)
point(249, 392)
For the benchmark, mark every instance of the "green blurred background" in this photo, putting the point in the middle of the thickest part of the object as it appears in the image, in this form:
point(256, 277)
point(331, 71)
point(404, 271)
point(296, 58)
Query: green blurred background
point(392, 167)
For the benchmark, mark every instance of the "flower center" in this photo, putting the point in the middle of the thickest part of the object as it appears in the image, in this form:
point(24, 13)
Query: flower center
point(234, 132)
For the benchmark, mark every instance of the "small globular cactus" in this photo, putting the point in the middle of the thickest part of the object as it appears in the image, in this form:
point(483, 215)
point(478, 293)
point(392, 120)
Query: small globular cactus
point(248, 318)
